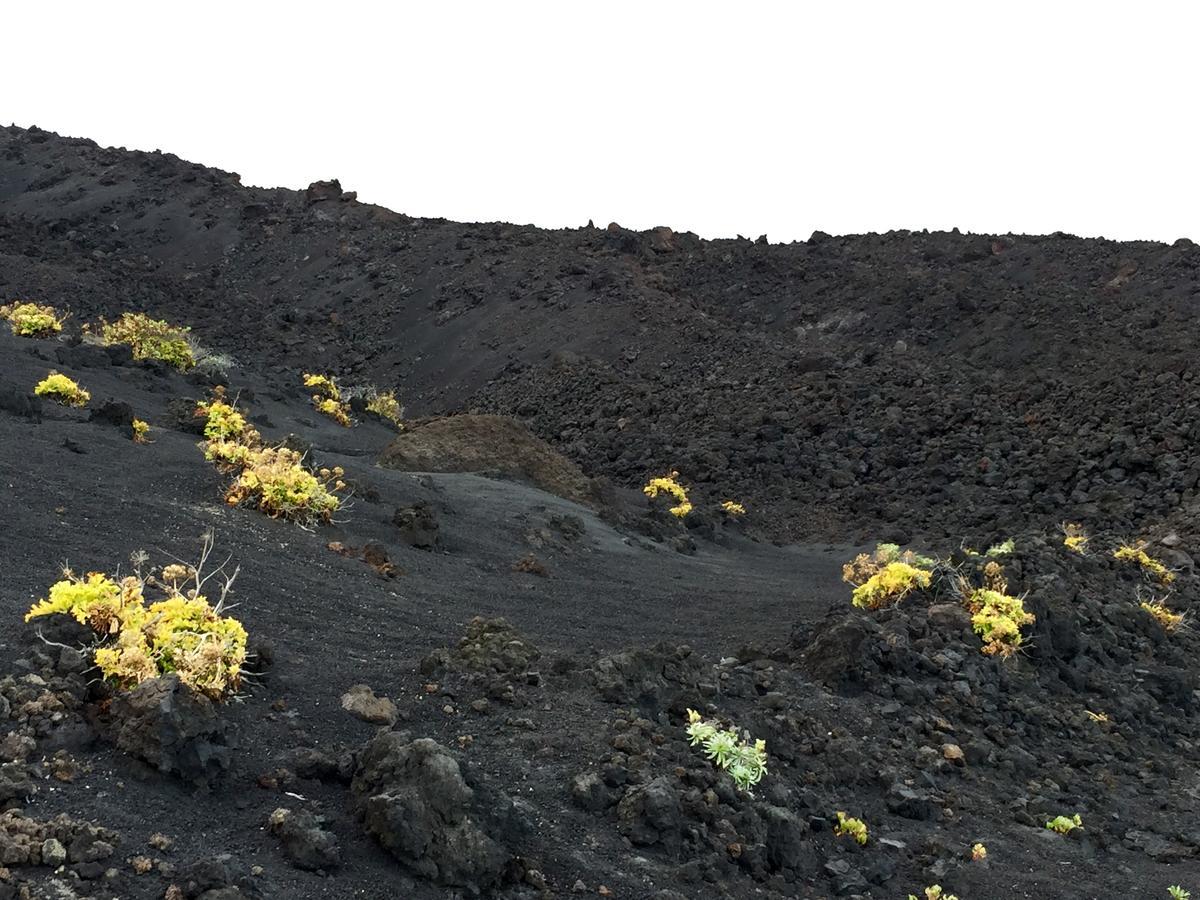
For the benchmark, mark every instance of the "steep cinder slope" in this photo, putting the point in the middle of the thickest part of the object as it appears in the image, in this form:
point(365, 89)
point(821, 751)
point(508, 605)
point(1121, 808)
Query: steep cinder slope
point(907, 383)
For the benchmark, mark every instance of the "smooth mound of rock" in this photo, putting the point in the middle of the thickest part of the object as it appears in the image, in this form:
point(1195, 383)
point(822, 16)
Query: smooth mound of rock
point(492, 445)
point(429, 813)
point(175, 729)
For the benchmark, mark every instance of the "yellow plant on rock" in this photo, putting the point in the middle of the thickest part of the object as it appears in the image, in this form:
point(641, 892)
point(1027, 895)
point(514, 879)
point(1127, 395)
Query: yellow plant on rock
point(997, 618)
point(151, 339)
point(848, 826)
point(1064, 824)
point(1075, 538)
point(733, 509)
point(32, 320)
point(328, 399)
point(889, 585)
point(385, 405)
point(669, 485)
point(1152, 568)
point(1163, 616)
point(61, 389)
point(180, 633)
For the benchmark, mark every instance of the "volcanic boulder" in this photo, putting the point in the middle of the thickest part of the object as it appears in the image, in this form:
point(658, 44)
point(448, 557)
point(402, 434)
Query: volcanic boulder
point(434, 816)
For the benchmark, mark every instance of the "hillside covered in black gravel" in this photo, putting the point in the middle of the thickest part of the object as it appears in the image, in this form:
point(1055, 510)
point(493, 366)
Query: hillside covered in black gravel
point(476, 677)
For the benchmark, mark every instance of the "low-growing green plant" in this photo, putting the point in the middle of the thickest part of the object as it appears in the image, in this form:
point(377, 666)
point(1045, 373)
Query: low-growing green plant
point(271, 479)
point(1163, 616)
point(151, 339)
point(180, 632)
point(890, 585)
point(32, 320)
point(669, 485)
point(61, 389)
point(385, 405)
point(328, 399)
point(848, 826)
point(997, 619)
point(1152, 568)
point(1064, 824)
point(1075, 538)
point(1175, 892)
point(745, 761)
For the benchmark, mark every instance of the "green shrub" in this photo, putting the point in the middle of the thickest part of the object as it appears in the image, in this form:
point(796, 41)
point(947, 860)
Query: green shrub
point(151, 339)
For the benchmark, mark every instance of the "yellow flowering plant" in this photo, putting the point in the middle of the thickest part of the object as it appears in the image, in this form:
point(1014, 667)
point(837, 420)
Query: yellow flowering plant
point(32, 320)
point(181, 632)
point(151, 339)
point(848, 826)
point(328, 399)
point(61, 389)
point(670, 486)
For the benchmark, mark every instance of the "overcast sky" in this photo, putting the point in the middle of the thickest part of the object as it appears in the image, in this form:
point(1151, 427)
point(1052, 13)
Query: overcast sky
point(720, 118)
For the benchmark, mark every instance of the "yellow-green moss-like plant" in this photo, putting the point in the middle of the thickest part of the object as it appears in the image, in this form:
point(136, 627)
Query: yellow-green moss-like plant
point(848, 826)
point(151, 339)
point(669, 485)
point(61, 389)
point(997, 619)
point(1075, 538)
point(179, 633)
point(328, 399)
point(744, 760)
point(1152, 568)
point(274, 481)
point(1175, 892)
point(890, 585)
point(385, 405)
point(271, 479)
point(1064, 824)
point(1163, 616)
point(222, 421)
point(32, 320)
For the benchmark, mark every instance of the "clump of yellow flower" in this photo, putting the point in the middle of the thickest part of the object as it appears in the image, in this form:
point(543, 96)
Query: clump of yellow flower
point(385, 405)
point(1075, 538)
point(61, 389)
point(733, 509)
point(32, 320)
point(151, 339)
point(1151, 567)
point(328, 399)
point(669, 485)
point(979, 853)
point(1163, 616)
point(180, 633)
point(889, 585)
point(140, 431)
point(997, 619)
point(1063, 824)
point(272, 479)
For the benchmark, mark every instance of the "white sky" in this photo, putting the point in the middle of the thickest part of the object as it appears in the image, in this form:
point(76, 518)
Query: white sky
point(720, 118)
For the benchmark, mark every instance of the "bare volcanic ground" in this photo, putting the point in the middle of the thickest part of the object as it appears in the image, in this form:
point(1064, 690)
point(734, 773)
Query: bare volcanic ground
point(469, 686)
point(916, 383)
